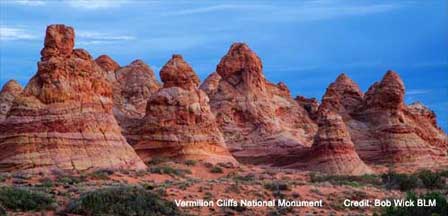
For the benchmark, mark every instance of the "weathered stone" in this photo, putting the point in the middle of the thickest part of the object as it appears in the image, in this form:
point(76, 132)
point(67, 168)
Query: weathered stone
point(63, 118)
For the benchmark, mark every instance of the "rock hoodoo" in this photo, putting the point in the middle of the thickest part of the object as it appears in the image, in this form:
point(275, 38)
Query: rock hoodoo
point(8, 93)
point(259, 119)
point(63, 118)
point(383, 128)
point(179, 123)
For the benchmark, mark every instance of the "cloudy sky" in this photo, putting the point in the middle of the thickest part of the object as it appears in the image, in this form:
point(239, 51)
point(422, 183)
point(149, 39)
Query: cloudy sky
point(306, 44)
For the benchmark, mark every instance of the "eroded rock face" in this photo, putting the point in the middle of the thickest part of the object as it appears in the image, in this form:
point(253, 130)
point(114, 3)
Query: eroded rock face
point(132, 85)
point(136, 83)
point(311, 105)
point(259, 119)
point(343, 96)
point(107, 63)
point(8, 93)
point(179, 123)
point(384, 129)
point(333, 151)
point(63, 119)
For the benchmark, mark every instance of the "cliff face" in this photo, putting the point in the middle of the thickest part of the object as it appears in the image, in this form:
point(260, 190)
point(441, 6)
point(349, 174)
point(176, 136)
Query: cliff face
point(178, 123)
point(9, 92)
point(63, 118)
point(259, 119)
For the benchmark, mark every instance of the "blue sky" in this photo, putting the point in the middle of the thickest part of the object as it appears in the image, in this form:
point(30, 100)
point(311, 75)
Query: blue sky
point(306, 44)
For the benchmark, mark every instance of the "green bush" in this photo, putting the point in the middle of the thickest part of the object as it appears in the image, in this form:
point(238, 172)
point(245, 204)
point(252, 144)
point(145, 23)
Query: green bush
point(19, 199)
point(216, 169)
point(169, 171)
point(354, 181)
point(440, 209)
point(431, 180)
point(69, 179)
point(190, 162)
point(276, 186)
point(399, 181)
point(123, 201)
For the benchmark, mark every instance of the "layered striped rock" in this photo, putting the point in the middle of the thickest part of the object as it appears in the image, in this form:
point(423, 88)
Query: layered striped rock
point(386, 130)
point(179, 123)
point(383, 128)
point(260, 120)
point(333, 151)
point(63, 119)
point(132, 85)
point(9, 92)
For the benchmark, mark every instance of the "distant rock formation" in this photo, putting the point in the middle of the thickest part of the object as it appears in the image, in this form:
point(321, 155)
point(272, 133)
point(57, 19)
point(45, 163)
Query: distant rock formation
point(260, 120)
point(9, 92)
point(383, 128)
point(132, 86)
point(178, 123)
point(333, 151)
point(63, 118)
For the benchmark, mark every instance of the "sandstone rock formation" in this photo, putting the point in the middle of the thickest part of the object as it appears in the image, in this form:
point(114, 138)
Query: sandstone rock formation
point(311, 105)
point(333, 151)
point(9, 92)
point(132, 85)
point(383, 128)
point(259, 119)
point(63, 118)
point(179, 123)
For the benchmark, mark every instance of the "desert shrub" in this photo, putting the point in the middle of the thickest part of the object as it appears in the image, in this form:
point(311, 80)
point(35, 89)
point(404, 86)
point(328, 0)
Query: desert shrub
point(46, 182)
point(216, 169)
point(69, 179)
point(158, 160)
point(276, 186)
point(440, 209)
point(19, 199)
point(431, 179)
point(122, 200)
point(247, 178)
point(399, 181)
point(354, 181)
point(101, 174)
point(190, 162)
point(169, 170)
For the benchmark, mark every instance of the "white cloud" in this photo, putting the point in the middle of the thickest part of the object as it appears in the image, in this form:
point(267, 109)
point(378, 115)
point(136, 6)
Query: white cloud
point(98, 36)
point(28, 2)
point(16, 33)
point(417, 91)
point(213, 8)
point(96, 4)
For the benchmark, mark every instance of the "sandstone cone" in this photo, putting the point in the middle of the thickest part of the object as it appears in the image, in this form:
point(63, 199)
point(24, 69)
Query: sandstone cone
point(260, 120)
point(9, 92)
point(107, 63)
point(333, 152)
point(383, 128)
point(132, 85)
point(178, 123)
point(63, 119)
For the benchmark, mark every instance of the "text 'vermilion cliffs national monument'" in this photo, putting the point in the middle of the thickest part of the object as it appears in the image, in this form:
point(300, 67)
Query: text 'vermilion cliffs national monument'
point(78, 113)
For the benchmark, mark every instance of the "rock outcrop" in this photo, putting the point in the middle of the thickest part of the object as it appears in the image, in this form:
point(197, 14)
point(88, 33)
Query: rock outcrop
point(63, 118)
point(260, 120)
point(311, 105)
point(179, 123)
point(383, 128)
point(333, 151)
point(132, 85)
point(8, 93)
